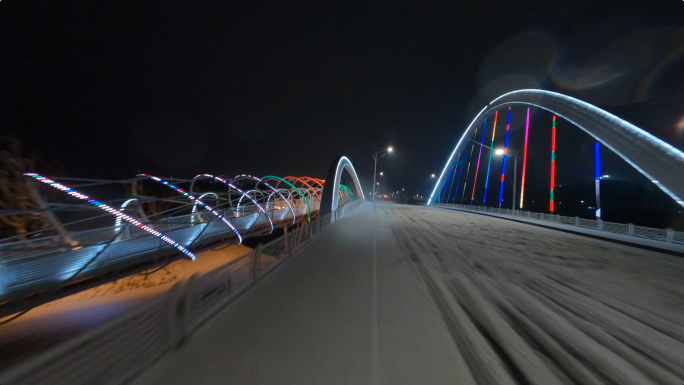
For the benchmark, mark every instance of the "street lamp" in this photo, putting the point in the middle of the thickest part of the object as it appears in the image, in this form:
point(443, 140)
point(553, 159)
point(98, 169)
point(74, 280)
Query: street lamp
point(375, 169)
point(500, 152)
point(380, 172)
point(433, 175)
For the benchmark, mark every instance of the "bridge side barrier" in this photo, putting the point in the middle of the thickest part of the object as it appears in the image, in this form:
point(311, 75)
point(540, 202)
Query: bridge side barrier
point(33, 265)
point(662, 235)
point(122, 348)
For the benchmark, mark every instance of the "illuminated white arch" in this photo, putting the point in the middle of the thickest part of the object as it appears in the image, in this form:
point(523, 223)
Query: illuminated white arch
point(247, 195)
point(194, 206)
point(117, 223)
point(660, 162)
point(294, 215)
point(330, 197)
point(241, 192)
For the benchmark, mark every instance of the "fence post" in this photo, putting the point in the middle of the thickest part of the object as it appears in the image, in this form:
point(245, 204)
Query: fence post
point(187, 300)
point(670, 234)
point(630, 229)
point(558, 218)
point(256, 267)
point(599, 223)
point(175, 309)
point(577, 222)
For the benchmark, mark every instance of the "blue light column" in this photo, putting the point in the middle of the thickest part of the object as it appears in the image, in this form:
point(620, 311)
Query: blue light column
point(503, 167)
point(597, 177)
point(446, 186)
point(460, 172)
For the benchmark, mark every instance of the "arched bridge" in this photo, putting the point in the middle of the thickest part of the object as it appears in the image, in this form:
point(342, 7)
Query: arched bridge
point(86, 228)
point(657, 160)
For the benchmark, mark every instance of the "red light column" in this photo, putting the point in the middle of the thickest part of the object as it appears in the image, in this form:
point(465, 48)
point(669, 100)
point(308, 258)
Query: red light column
point(522, 187)
point(553, 163)
point(472, 197)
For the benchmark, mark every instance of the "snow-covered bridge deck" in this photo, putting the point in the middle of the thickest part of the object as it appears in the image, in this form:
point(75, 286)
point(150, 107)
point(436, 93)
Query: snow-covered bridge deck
point(416, 295)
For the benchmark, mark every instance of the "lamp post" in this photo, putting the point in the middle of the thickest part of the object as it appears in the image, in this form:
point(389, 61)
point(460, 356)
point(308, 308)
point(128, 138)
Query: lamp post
point(515, 166)
point(375, 169)
point(515, 171)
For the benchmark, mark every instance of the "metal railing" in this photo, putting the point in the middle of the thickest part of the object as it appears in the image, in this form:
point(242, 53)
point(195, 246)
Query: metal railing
point(663, 235)
point(30, 266)
point(119, 350)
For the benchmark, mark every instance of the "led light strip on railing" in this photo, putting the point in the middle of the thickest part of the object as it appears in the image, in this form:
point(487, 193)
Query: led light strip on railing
point(113, 212)
point(241, 192)
point(195, 200)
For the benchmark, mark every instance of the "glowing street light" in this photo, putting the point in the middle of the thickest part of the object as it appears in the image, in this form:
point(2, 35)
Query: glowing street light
point(500, 152)
point(433, 175)
point(380, 172)
point(375, 157)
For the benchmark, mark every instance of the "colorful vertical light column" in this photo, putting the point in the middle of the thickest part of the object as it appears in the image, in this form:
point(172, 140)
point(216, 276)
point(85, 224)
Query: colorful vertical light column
point(453, 177)
point(522, 186)
point(465, 183)
point(472, 197)
point(553, 163)
point(460, 172)
point(597, 177)
point(503, 168)
point(448, 179)
point(489, 165)
point(441, 190)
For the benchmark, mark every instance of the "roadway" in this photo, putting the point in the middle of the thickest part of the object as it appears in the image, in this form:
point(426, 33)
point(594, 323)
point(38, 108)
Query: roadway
point(418, 295)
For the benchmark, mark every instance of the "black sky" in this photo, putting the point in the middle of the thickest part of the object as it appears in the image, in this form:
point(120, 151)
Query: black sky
point(186, 87)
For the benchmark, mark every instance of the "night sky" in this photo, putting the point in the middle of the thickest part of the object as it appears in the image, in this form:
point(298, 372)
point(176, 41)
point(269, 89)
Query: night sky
point(177, 88)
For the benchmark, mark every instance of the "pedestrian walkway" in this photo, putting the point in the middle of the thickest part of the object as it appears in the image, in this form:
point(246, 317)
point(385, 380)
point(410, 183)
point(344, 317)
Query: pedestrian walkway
point(350, 308)
point(397, 294)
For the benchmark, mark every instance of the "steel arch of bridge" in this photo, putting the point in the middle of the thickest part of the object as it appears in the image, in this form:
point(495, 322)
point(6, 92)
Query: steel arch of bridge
point(291, 185)
point(319, 182)
point(305, 184)
point(244, 195)
point(195, 200)
point(330, 200)
point(659, 161)
point(275, 190)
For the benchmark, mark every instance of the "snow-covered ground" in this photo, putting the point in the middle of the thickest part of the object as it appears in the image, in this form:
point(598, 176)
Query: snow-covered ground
point(62, 319)
point(417, 295)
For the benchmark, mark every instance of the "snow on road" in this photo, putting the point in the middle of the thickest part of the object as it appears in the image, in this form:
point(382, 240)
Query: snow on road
point(417, 295)
point(65, 318)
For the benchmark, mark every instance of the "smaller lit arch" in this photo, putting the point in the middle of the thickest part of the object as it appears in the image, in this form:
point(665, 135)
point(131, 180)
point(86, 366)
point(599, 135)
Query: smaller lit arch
point(192, 198)
point(241, 192)
point(330, 201)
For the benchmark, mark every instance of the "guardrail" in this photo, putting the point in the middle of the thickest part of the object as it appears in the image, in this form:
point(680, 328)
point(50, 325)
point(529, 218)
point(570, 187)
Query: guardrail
point(119, 350)
point(35, 265)
point(662, 235)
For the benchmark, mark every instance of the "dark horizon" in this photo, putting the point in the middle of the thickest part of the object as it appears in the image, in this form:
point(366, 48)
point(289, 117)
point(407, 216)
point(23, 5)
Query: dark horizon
point(110, 90)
